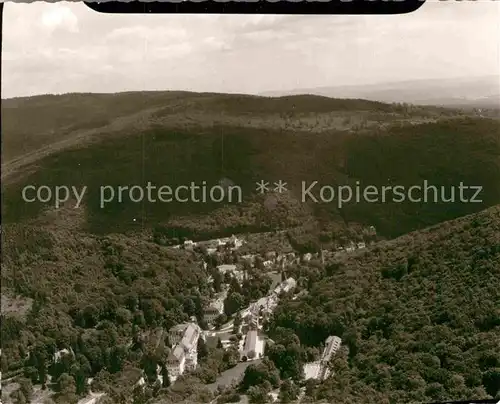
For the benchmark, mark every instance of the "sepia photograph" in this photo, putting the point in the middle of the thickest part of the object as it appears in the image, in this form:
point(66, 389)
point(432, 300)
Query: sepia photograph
point(250, 208)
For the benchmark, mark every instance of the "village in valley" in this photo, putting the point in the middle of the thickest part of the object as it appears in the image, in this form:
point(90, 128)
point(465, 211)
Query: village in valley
point(237, 328)
point(242, 332)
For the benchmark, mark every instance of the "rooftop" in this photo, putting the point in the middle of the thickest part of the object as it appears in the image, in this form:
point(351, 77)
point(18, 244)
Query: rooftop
point(177, 353)
point(250, 341)
point(226, 267)
point(190, 336)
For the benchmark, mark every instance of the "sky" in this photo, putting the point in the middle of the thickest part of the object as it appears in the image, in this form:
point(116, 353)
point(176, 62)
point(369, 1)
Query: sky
point(66, 47)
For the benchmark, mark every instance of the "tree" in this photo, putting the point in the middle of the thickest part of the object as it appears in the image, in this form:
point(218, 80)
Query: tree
point(17, 397)
point(202, 350)
point(491, 381)
point(220, 320)
point(259, 263)
point(231, 357)
point(237, 320)
point(233, 303)
point(219, 343)
point(165, 376)
point(257, 395)
point(258, 374)
point(31, 373)
point(67, 389)
point(138, 395)
point(287, 354)
point(289, 391)
point(218, 280)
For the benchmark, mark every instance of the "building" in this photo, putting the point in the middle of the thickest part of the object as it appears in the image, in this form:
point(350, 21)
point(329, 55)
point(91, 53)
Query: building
point(319, 369)
point(249, 257)
point(307, 257)
point(190, 344)
point(285, 286)
point(176, 333)
point(332, 346)
point(250, 347)
point(184, 355)
point(252, 320)
point(266, 304)
point(58, 355)
point(226, 268)
point(312, 370)
point(361, 245)
point(231, 269)
point(213, 310)
point(176, 363)
point(235, 242)
point(351, 247)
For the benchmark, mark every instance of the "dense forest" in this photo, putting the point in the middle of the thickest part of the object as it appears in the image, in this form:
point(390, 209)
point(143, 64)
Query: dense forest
point(417, 309)
point(300, 138)
point(419, 316)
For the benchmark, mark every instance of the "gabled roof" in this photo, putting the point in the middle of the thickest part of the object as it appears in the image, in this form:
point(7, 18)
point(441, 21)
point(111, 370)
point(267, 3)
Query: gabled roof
point(177, 353)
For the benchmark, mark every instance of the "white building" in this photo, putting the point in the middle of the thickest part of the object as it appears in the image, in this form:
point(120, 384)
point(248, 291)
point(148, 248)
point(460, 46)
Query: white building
point(214, 309)
point(235, 242)
point(226, 268)
point(285, 286)
point(332, 346)
point(351, 247)
point(184, 355)
point(58, 355)
point(267, 304)
point(319, 369)
point(176, 363)
point(250, 347)
point(231, 268)
point(312, 370)
point(176, 333)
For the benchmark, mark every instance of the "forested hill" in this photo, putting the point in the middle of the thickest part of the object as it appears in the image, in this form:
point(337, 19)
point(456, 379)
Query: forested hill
point(420, 316)
point(175, 138)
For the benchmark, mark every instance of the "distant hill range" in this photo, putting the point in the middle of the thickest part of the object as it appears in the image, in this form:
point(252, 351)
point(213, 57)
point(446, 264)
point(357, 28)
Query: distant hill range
point(175, 138)
point(478, 92)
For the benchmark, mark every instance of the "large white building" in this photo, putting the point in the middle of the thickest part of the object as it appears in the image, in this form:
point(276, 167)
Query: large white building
point(319, 370)
point(332, 346)
point(184, 354)
point(285, 286)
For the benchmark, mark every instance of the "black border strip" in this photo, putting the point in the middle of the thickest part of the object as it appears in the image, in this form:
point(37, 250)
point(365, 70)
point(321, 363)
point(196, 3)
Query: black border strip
point(259, 7)
point(487, 401)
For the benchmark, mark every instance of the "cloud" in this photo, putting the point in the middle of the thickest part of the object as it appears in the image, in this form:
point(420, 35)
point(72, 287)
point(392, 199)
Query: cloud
point(66, 47)
point(60, 17)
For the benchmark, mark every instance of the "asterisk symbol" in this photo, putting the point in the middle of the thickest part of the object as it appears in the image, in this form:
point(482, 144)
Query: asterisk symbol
point(280, 186)
point(262, 186)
